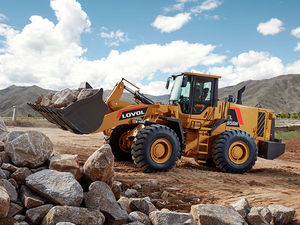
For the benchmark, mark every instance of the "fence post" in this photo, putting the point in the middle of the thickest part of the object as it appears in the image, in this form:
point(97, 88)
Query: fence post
point(14, 116)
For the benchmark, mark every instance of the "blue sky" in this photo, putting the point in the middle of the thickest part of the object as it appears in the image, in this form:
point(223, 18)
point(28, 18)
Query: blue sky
point(146, 41)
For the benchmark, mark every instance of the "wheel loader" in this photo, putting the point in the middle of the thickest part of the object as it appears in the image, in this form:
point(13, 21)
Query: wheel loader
point(195, 123)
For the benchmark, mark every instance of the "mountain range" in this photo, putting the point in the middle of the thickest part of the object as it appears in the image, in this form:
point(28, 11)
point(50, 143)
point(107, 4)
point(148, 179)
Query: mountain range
point(281, 93)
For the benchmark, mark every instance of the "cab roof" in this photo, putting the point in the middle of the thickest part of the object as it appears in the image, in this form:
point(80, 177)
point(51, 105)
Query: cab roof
point(198, 74)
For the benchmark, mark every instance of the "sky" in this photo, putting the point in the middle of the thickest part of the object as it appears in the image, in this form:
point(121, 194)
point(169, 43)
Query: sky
point(57, 44)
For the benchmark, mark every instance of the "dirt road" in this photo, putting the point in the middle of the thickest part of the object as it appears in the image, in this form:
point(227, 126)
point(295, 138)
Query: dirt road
point(269, 182)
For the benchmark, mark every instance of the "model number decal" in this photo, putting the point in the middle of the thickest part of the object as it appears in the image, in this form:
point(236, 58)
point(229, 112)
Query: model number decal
point(132, 113)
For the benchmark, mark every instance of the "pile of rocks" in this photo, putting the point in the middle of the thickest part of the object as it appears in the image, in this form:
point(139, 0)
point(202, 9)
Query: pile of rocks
point(64, 97)
point(38, 186)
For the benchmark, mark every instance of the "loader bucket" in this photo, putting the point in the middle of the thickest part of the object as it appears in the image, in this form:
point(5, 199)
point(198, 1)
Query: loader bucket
point(82, 117)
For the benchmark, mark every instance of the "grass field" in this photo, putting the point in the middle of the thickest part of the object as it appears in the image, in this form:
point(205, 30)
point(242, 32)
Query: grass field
point(287, 135)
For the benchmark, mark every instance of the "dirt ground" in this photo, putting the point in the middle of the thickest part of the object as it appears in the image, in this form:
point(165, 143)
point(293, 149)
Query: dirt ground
point(269, 182)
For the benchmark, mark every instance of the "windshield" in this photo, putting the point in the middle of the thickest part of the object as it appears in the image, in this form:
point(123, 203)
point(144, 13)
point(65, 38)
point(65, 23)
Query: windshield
point(181, 94)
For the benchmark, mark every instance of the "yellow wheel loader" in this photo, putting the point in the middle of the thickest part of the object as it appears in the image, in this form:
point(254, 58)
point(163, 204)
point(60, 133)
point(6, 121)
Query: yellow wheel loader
point(224, 134)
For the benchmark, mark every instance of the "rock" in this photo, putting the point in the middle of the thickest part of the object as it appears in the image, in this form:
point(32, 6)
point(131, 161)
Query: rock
point(3, 158)
point(140, 217)
point(242, 207)
point(65, 223)
point(3, 130)
point(164, 196)
point(58, 187)
point(35, 215)
point(66, 163)
point(7, 173)
point(255, 218)
point(76, 215)
point(281, 214)
point(174, 218)
point(134, 223)
point(28, 148)
point(14, 209)
point(99, 165)
point(11, 190)
point(1, 146)
point(65, 96)
point(29, 199)
point(4, 202)
point(142, 204)
point(22, 223)
point(130, 193)
point(125, 202)
point(265, 213)
point(2, 174)
point(13, 182)
point(19, 217)
point(9, 167)
point(117, 189)
point(38, 169)
point(207, 214)
point(84, 93)
point(100, 197)
point(20, 174)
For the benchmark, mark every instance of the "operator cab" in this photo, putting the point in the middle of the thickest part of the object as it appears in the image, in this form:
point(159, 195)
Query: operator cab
point(194, 92)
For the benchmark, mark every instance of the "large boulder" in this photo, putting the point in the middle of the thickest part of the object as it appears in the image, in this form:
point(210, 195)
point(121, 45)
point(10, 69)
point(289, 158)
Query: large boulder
point(35, 215)
point(281, 214)
point(28, 148)
point(11, 190)
point(255, 218)
point(20, 174)
point(14, 209)
point(3, 158)
point(3, 130)
point(142, 204)
point(1, 146)
point(66, 163)
point(99, 165)
point(84, 93)
point(140, 217)
point(207, 214)
point(2, 174)
point(59, 187)
point(64, 97)
point(242, 207)
point(100, 197)
point(4, 202)
point(174, 218)
point(76, 215)
point(265, 213)
point(29, 199)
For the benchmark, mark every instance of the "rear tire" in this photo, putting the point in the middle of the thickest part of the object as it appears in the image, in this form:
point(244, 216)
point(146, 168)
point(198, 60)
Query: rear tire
point(120, 153)
point(156, 148)
point(234, 151)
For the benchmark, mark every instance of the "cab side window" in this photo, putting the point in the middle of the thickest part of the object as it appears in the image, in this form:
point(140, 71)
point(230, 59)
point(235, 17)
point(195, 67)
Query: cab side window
point(202, 95)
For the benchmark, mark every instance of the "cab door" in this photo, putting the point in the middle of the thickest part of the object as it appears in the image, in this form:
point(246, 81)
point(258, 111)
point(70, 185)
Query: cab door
point(203, 98)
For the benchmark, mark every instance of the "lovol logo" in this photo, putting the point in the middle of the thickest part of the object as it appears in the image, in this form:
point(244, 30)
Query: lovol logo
point(234, 117)
point(132, 113)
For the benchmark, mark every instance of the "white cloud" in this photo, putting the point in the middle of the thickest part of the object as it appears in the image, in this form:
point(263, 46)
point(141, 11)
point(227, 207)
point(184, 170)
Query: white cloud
point(49, 54)
point(154, 88)
point(271, 27)
point(296, 32)
point(297, 48)
point(253, 65)
point(114, 38)
point(167, 24)
point(206, 6)
point(179, 6)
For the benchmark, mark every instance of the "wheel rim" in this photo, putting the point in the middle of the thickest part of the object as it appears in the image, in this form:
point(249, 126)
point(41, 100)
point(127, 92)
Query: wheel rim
point(161, 150)
point(238, 152)
point(122, 143)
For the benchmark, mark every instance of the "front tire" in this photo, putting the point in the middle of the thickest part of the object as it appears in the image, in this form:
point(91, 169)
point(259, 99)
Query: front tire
point(234, 151)
point(156, 148)
point(115, 141)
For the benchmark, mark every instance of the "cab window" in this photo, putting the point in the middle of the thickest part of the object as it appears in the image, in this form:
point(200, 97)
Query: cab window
point(202, 95)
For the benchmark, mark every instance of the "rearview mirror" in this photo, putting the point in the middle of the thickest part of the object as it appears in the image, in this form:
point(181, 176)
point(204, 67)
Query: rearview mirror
point(184, 81)
point(168, 83)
